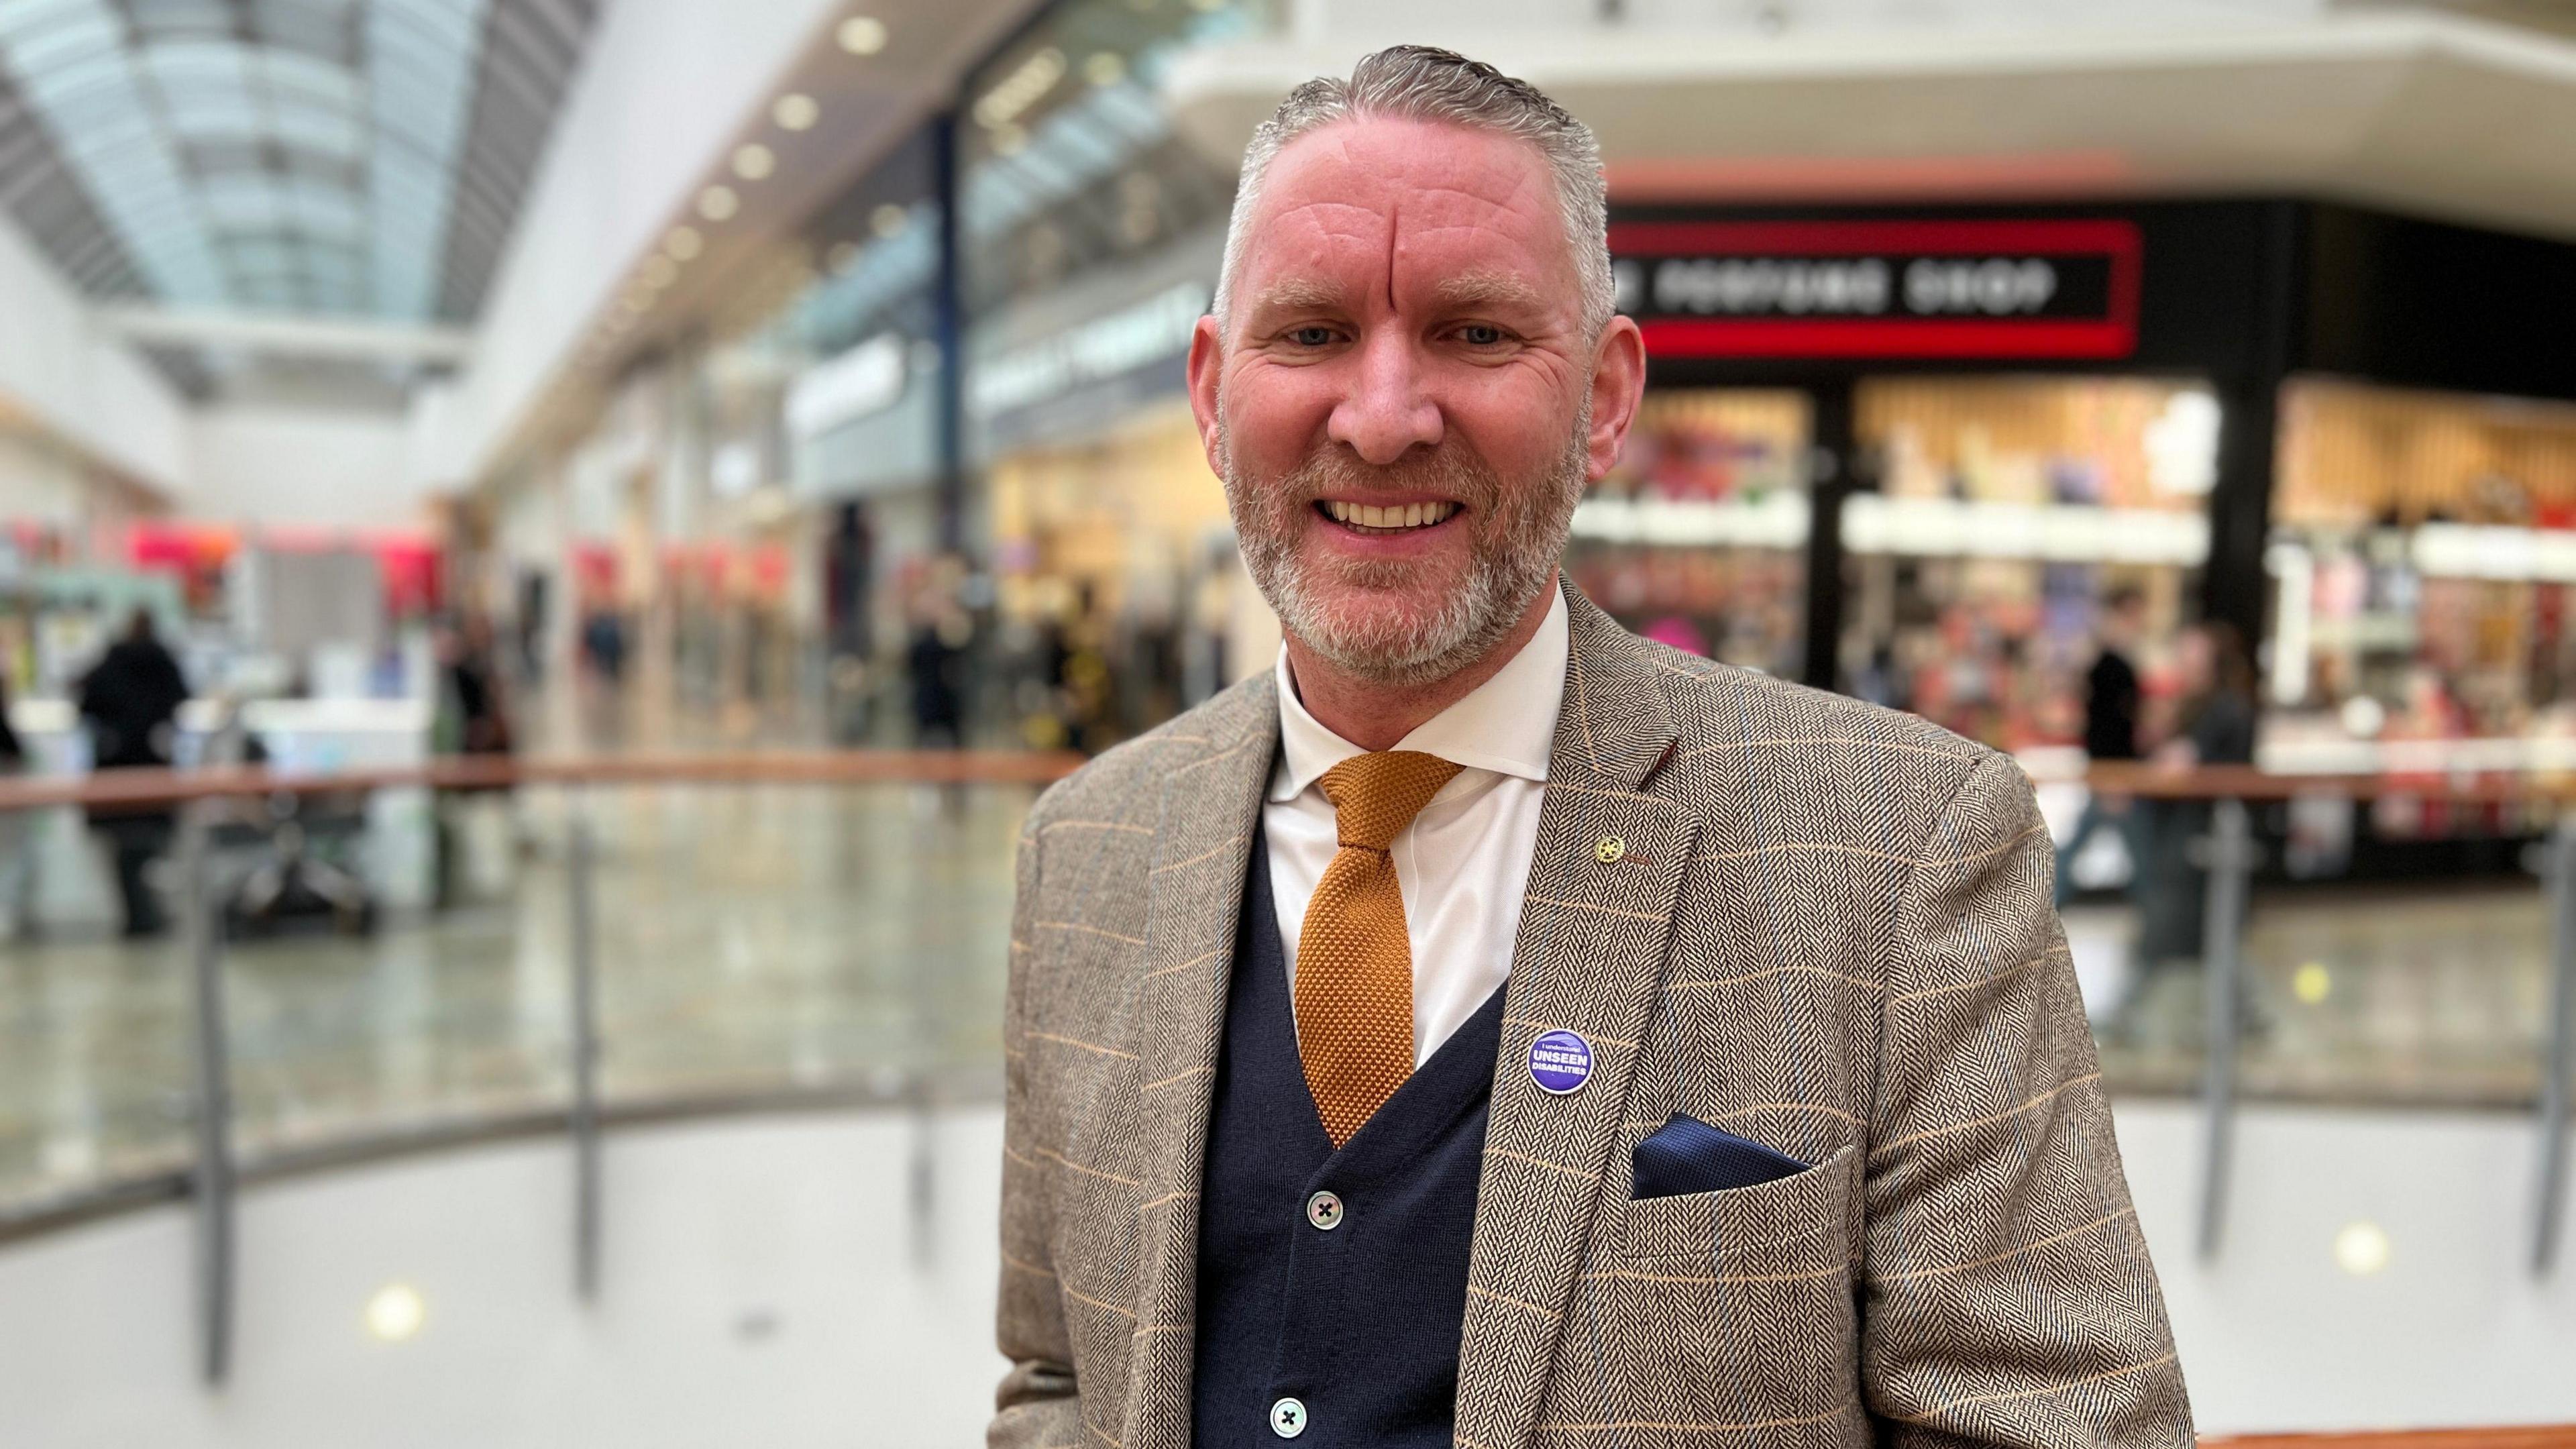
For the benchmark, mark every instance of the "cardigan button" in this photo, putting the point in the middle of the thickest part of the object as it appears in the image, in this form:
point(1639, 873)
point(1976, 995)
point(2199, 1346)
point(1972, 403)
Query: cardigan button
point(1288, 1418)
point(1324, 1210)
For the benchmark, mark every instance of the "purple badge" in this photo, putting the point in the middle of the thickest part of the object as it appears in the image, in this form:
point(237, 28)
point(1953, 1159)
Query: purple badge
point(1560, 1062)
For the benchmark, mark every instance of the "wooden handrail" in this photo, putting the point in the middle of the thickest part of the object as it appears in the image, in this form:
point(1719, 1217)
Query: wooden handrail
point(2543, 1436)
point(2246, 782)
point(145, 788)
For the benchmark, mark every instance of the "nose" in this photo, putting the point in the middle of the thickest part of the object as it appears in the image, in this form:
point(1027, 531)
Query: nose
point(1386, 411)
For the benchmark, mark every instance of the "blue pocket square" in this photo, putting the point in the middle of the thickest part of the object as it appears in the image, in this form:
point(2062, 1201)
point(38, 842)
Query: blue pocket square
point(1688, 1155)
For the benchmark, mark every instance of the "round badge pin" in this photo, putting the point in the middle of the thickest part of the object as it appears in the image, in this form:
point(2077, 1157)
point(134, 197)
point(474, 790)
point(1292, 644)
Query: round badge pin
point(1560, 1062)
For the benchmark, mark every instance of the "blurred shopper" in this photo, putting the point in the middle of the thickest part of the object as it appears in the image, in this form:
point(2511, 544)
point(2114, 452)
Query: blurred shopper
point(474, 718)
point(2213, 725)
point(935, 662)
point(130, 701)
point(2112, 697)
point(17, 834)
point(474, 834)
point(1361, 983)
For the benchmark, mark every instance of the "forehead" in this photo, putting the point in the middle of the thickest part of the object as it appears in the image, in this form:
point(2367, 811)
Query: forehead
point(1418, 196)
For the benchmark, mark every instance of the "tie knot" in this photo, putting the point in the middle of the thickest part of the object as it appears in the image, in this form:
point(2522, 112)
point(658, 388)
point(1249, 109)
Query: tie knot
point(1376, 795)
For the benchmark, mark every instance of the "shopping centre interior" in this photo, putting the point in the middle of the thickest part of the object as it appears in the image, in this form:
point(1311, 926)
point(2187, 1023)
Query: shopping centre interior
point(755, 434)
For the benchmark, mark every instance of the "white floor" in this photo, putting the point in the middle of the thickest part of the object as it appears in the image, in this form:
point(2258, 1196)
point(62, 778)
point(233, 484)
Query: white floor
point(761, 1287)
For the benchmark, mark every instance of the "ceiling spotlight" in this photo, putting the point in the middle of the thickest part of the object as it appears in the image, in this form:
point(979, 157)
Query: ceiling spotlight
point(2361, 1249)
point(795, 111)
point(1105, 68)
point(718, 203)
point(683, 243)
point(658, 271)
point(396, 1312)
point(888, 220)
point(862, 35)
point(754, 161)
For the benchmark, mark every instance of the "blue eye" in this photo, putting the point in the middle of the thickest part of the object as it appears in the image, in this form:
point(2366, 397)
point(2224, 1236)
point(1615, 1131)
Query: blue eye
point(1311, 336)
point(1478, 334)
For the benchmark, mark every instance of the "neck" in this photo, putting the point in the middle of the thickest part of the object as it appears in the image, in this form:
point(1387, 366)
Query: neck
point(1375, 716)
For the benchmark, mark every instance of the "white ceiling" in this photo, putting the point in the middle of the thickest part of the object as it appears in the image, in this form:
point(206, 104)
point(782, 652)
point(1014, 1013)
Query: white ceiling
point(2427, 114)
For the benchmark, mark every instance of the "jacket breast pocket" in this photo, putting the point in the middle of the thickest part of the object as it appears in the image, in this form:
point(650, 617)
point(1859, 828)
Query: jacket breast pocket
point(1735, 1309)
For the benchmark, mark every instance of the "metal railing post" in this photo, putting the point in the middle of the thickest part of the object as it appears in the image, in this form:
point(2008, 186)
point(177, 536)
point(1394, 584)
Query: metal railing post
point(2550, 1193)
point(211, 1182)
point(585, 1052)
point(2230, 860)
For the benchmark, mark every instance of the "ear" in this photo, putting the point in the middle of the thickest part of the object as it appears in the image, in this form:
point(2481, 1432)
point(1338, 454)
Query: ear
point(1205, 359)
point(1618, 385)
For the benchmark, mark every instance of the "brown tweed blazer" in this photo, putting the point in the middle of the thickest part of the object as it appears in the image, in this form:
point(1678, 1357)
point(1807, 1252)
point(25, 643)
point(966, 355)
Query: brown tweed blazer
point(1830, 931)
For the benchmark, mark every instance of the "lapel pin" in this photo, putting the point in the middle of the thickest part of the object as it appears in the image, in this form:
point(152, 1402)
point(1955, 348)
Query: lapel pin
point(1609, 850)
point(1560, 1062)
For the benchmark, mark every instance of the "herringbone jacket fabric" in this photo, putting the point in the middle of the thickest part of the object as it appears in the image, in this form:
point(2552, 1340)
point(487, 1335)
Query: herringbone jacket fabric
point(1829, 929)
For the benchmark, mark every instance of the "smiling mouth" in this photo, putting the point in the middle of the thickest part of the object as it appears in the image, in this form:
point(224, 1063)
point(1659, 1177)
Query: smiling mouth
point(1370, 519)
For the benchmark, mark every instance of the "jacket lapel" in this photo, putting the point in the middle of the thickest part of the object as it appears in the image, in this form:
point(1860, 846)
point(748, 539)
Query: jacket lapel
point(1588, 959)
point(1211, 804)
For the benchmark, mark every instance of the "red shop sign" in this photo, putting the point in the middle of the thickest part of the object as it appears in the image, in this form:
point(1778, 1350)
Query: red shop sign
point(1881, 289)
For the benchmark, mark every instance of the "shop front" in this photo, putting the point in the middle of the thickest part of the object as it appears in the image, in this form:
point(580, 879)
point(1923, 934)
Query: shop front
point(1091, 237)
point(1928, 446)
point(1116, 582)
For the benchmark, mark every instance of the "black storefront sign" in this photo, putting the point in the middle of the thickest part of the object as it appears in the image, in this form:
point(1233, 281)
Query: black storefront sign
point(2032, 288)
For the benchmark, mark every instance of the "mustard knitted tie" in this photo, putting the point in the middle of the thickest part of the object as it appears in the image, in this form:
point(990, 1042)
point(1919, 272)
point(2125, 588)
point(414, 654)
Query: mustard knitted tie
point(1354, 987)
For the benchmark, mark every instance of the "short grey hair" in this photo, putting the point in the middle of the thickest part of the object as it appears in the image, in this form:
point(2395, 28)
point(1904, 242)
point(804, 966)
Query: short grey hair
point(1426, 83)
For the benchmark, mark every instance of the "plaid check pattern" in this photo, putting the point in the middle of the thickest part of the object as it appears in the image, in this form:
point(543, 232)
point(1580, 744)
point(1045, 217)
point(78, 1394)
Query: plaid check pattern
point(1829, 929)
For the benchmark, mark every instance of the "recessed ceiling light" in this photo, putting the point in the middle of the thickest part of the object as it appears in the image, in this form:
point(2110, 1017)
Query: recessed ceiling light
point(1105, 68)
point(863, 35)
point(2312, 983)
point(718, 203)
point(396, 1312)
point(2361, 1249)
point(658, 271)
point(754, 162)
point(684, 243)
point(889, 219)
point(795, 111)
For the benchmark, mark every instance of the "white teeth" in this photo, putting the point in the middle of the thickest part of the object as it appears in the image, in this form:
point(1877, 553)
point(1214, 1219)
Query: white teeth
point(1411, 515)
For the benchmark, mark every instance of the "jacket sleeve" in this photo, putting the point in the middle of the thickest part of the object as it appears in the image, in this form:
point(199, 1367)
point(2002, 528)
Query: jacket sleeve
point(1039, 1404)
point(2006, 1295)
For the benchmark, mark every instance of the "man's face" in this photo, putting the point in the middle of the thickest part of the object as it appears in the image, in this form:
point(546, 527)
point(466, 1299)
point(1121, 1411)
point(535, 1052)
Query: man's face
point(1404, 401)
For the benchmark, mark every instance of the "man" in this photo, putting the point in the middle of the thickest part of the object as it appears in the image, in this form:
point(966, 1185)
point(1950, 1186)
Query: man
point(1491, 1028)
point(2111, 701)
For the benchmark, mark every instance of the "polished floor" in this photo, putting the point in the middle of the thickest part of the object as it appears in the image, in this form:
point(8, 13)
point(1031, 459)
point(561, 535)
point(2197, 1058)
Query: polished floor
point(770, 942)
point(752, 941)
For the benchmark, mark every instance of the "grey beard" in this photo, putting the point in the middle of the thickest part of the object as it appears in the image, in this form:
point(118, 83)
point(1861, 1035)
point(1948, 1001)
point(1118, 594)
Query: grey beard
point(1510, 565)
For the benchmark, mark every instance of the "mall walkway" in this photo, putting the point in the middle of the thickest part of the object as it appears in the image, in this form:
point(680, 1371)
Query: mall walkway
point(761, 942)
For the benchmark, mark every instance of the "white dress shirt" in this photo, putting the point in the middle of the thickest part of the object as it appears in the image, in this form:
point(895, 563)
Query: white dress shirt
point(1463, 864)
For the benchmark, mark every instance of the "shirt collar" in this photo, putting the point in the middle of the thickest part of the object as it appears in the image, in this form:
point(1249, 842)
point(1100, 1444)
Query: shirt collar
point(1507, 725)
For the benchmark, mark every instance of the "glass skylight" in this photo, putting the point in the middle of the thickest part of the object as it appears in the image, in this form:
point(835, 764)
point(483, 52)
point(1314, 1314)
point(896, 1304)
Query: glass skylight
point(270, 154)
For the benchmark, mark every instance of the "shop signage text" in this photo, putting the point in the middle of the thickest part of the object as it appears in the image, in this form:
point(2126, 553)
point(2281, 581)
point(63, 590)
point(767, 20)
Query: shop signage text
point(1869, 289)
point(866, 379)
point(1104, 347)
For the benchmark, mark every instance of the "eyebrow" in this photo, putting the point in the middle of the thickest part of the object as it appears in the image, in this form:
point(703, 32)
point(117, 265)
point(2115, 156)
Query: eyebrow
point(1298, 294)
point(1488, 289)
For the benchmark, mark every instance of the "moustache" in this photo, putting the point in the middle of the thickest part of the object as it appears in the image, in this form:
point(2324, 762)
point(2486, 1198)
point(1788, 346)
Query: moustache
point(1447, 471)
